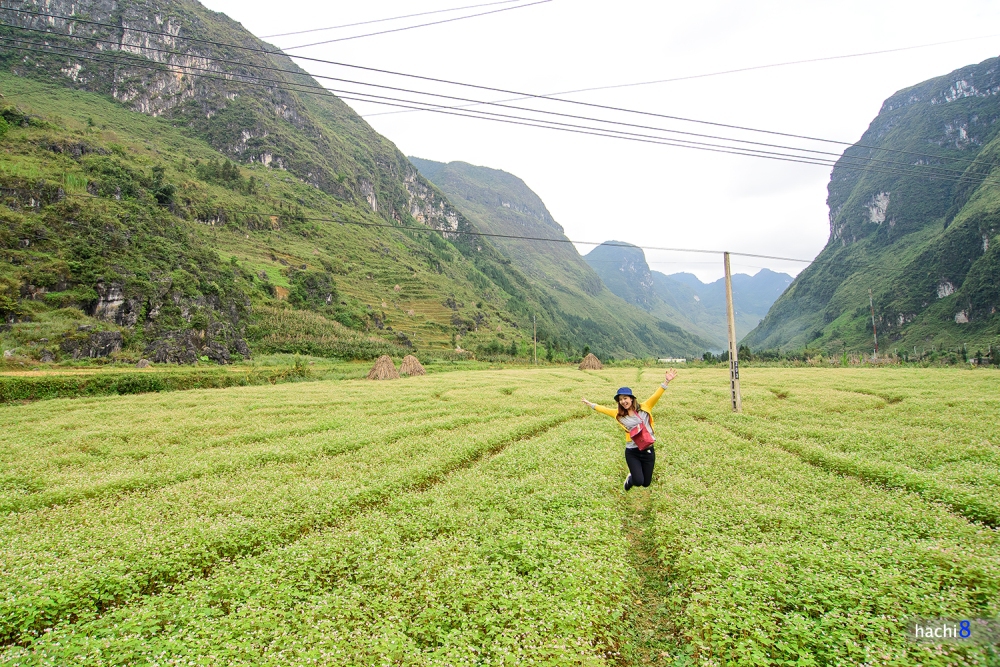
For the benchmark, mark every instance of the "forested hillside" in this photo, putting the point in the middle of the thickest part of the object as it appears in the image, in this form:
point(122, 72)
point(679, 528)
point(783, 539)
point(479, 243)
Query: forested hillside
point(918, 227)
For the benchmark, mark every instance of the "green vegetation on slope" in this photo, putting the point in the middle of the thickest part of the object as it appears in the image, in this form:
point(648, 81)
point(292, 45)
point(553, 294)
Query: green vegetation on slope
point(305, 167)
point(926, 247)
point(582, 310)
point(267, 525)
point(141, 235)
point(253, 107)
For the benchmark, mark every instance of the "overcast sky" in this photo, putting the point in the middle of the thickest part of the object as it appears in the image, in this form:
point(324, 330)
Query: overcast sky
point(651, 195)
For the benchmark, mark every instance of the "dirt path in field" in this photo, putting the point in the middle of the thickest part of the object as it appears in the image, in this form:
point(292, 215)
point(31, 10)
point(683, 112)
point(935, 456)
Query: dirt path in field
point(655, 639)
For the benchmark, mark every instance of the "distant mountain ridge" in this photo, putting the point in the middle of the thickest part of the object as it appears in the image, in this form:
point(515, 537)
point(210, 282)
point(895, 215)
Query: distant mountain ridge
point(753, 295)
point(922, 234)
point(501, 203)
point(699, 307)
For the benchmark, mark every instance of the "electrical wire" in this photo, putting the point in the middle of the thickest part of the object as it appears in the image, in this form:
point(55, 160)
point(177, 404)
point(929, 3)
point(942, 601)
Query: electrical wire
point(420, 25)
point(845, 165)
point(515, 237)
point(843, 161)
point(449, 97)
point(143, 63)
point(739, 70)
point(385, 20)
point(497, 90)
point(908, 166)
point(119, 57)
point(161, 66)
point(564, 240)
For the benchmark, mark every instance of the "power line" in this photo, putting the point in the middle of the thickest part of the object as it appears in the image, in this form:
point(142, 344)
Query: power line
point(419, 25)
point(845, 161)
point(459, 107)
point(503, 118)
point(500, 90)
point(119, 57)
point(153, 64)
point(542, 239)
point(385, 20)
point(515, 237)
point(564, 240)
point(144, 63)
point(738, 70)
point(537, 239)
point(529, 110)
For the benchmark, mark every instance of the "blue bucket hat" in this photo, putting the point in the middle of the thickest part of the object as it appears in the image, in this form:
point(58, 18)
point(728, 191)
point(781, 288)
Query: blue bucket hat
point(624, 391)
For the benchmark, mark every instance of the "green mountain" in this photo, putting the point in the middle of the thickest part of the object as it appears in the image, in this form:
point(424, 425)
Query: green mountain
point(583, 308)
point(173, 188)
point(921, 233)
point(120, 230)
point(682, 297)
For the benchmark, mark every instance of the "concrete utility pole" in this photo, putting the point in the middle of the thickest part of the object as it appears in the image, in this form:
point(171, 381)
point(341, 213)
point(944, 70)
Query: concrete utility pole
point(534, 337)
point(871, 304)
point(734, 363)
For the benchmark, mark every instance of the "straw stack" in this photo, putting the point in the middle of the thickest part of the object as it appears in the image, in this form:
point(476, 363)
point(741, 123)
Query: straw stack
point(411, 366)
point(590, 363)
point(383, 369)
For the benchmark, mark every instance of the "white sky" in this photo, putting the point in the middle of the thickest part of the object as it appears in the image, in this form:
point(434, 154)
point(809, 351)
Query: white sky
point(600, 189)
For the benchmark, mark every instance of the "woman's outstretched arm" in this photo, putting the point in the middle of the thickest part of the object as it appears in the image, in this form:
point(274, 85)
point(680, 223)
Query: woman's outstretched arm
point(648, 404)
point(600, 408)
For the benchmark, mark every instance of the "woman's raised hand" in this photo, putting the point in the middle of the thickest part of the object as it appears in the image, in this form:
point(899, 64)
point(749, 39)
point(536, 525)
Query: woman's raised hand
point(671, 374)
point(587, 403)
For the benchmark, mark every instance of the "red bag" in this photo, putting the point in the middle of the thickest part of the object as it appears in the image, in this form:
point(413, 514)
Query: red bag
point(641, 436)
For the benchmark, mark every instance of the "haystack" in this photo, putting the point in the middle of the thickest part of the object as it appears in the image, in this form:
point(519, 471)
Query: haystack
point(590, 363)
point(383, 369)
point(411, 366)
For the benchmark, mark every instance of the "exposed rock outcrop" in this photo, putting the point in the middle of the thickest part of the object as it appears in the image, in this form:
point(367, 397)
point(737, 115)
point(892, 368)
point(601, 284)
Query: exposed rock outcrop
point(189, 346)
point(93, 345)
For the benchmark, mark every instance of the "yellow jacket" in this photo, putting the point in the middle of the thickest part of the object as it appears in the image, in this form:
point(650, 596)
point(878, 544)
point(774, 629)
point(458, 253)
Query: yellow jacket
point(645, 406)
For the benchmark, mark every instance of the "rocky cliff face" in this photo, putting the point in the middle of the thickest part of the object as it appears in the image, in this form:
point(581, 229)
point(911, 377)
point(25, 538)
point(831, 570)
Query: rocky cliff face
point(623, 269)
point(939, 126)
point(920, 232)
point(201, 69)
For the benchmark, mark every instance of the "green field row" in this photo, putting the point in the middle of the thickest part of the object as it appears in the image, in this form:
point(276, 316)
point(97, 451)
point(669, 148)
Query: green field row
point(478, 518)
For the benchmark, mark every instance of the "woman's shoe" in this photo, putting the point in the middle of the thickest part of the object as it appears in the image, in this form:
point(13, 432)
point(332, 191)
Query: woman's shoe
point(628, 482)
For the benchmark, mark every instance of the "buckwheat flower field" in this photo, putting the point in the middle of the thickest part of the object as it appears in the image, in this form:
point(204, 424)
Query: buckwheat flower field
point(478, 518)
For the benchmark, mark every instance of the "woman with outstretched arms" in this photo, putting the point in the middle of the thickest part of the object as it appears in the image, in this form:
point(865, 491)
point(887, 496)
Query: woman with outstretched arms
point(637, 421)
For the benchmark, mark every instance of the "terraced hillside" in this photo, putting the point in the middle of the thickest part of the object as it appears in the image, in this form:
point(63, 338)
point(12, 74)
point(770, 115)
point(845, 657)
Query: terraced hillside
point(130, 226)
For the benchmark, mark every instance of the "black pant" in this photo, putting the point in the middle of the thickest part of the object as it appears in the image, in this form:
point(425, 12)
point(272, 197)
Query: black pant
point(640, 465)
